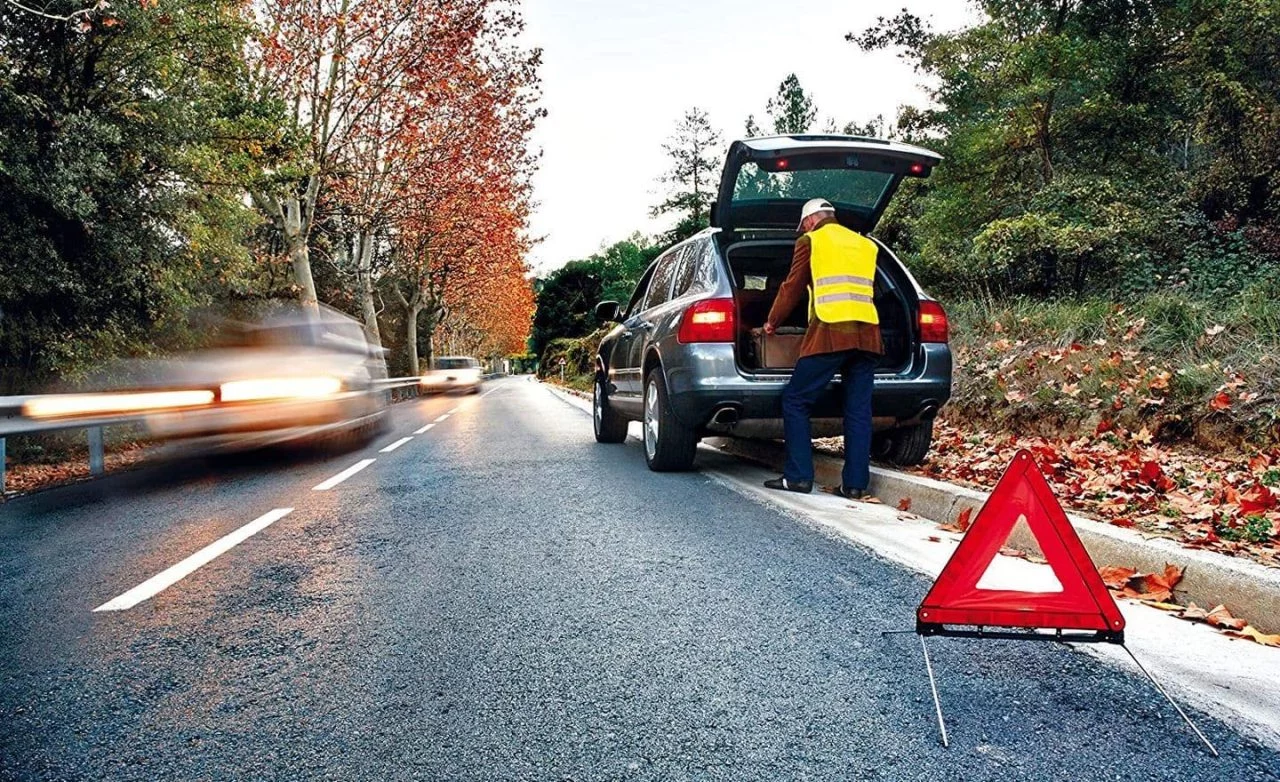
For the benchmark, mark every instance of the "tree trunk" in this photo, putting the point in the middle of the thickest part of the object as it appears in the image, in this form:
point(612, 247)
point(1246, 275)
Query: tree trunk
point(364, 274)
point(295, 240)
point(411, 337)
point(292, 216)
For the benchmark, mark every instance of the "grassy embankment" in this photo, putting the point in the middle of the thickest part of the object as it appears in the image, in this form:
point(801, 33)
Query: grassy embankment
point(1186, 371)
point(1162, 415)
point(579, 355)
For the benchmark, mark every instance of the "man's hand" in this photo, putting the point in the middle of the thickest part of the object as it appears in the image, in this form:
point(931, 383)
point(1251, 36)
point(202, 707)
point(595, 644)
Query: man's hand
point(769, 328)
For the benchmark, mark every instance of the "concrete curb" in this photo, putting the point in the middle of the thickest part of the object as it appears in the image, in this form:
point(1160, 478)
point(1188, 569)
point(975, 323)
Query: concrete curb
point(1248, 589)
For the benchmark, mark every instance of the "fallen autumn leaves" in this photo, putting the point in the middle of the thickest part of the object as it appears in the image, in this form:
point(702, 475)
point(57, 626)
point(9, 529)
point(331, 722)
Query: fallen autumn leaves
point(1156, 590)
point(1229, 504)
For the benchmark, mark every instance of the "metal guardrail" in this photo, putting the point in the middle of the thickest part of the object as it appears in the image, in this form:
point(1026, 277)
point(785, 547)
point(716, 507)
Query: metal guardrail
point(14, 421)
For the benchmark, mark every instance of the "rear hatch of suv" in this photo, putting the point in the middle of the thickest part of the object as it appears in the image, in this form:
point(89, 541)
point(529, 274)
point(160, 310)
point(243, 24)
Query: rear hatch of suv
point(765, 183)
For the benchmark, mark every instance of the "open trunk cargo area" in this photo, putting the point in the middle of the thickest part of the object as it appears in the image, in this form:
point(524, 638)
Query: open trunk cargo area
point(760, 266)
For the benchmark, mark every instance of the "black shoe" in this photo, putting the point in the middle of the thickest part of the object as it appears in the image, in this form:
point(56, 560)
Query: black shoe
point(803, 487)
point(851, 494)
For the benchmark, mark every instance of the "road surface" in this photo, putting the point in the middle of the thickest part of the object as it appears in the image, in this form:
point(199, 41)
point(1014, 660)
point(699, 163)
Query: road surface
point(499, 597)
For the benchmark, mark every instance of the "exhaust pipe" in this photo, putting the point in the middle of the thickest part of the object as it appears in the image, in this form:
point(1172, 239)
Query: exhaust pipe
point(725, 416)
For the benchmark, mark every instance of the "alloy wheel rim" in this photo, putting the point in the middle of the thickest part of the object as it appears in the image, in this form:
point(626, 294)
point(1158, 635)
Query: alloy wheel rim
point(597, 411)
point(651, 420)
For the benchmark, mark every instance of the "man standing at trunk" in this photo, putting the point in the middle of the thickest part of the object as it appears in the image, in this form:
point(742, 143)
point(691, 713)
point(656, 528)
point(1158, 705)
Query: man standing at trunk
point(838, 268)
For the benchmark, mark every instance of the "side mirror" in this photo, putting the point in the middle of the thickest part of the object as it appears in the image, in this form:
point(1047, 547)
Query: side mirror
point(607, 311)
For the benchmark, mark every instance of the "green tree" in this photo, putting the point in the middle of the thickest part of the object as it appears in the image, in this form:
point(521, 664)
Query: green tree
point(125, 140)
point(791, 108)
point(1088, 145)
point(695, 150)
point(566, 299)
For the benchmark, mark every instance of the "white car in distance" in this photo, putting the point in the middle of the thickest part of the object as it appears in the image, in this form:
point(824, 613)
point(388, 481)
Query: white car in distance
point(453, 374)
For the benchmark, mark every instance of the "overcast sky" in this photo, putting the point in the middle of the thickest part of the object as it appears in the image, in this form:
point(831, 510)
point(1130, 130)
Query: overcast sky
point(618, 75)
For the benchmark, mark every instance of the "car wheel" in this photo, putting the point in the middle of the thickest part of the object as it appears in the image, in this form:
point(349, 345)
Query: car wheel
point(910, 445)
point(669, 446)
point(610, 427)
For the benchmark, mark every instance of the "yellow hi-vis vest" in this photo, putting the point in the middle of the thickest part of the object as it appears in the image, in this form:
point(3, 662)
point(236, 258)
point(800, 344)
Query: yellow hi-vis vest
point(843, 265)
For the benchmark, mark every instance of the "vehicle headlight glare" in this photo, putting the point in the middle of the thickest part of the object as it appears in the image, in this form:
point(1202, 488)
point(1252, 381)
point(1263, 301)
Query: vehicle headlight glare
point(71, 405)
point(279, 388)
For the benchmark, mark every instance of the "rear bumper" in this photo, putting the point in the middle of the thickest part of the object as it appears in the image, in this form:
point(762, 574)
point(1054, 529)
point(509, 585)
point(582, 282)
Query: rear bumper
point(705, 381)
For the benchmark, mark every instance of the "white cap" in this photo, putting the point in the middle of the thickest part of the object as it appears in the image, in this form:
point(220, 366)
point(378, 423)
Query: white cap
point(812, 207)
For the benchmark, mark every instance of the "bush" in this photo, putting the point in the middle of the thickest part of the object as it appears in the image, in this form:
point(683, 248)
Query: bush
point(579, 354)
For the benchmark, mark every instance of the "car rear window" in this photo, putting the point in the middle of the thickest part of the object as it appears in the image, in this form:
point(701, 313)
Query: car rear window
point(850, 186)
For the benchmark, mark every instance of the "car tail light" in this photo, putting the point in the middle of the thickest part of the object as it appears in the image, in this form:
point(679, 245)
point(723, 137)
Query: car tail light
point(709, 320)
point(933, 322)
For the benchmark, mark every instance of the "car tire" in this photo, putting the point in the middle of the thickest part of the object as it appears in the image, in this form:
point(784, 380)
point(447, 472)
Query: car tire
point(610, 427)
point(910, 445)
point(669, 446)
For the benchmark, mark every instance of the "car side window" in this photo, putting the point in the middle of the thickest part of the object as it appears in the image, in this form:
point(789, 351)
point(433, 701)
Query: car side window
point(663, 273)
point(697, 270)
point(634, 305)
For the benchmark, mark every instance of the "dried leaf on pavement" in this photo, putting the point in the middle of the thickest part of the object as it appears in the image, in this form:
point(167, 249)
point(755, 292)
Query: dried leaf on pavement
point(1266, 640)
point(1194, 613)
point(1221, 617)
point(961, 524)
point(1146, 587)
point(1116, 577)
point(904, 504)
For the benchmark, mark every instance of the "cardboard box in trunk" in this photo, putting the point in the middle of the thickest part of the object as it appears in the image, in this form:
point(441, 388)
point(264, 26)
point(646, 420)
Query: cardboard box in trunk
point(779, 350)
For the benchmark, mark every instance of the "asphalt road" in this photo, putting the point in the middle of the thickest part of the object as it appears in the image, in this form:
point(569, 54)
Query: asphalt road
point(501, 598)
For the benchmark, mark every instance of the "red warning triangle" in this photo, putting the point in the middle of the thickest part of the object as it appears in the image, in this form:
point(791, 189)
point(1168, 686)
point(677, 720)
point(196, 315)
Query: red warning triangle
point(1083, 603)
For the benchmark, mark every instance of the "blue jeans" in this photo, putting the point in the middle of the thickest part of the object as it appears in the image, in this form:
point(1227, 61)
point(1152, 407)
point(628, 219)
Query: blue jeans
point(810, 379)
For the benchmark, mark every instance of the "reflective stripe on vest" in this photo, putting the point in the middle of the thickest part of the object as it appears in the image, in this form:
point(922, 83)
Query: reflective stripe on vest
point(832, 298)
point(843, 265)
point(847, 279)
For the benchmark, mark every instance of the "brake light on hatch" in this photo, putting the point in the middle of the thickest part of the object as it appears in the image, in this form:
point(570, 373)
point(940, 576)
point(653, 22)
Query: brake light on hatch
point(709, 320)
point(933, 322)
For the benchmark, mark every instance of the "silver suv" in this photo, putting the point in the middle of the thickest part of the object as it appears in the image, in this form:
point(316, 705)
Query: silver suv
point(682, 359)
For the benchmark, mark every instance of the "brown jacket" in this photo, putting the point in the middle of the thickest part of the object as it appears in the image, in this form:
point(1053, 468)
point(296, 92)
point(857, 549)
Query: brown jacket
point(820, 337)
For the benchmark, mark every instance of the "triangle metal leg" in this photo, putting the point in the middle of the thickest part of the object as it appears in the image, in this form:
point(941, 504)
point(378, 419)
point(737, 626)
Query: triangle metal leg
point(933, 686)
point(1172, 703)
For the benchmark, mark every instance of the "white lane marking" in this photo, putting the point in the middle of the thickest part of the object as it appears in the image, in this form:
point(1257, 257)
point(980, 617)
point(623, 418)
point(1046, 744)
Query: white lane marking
point(454, 410)
point(424, 429)
point(395, 445)
point(443, 417)
point(342, 476)
point(167, 578)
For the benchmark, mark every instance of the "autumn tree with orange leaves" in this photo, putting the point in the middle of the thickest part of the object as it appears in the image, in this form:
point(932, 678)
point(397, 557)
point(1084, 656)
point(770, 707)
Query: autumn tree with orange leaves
point(413, 177)
point(458, 221)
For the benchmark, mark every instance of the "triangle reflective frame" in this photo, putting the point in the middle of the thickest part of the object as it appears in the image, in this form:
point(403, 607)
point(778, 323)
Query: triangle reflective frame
point(1084, 602)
